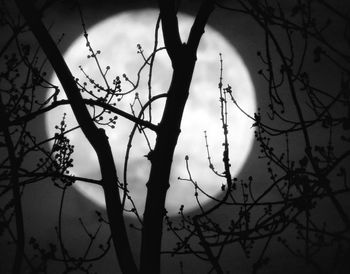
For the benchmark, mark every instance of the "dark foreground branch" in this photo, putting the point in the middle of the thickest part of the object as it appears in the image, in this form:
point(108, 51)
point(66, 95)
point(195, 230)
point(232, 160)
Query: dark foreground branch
point(89, 102)
point(95, 136)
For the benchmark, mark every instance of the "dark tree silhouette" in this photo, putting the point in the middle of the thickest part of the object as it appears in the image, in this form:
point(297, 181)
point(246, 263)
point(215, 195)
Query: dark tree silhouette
point(301, 128)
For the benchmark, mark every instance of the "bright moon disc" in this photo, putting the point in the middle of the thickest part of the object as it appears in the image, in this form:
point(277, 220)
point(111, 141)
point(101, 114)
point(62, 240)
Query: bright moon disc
point(117, 38)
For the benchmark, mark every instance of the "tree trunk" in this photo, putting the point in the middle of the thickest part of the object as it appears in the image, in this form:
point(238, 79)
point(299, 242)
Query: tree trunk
point(161, 160)
point(183, 58)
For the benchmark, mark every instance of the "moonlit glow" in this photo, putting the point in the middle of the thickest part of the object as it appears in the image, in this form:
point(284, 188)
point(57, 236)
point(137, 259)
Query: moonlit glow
point(117, 38)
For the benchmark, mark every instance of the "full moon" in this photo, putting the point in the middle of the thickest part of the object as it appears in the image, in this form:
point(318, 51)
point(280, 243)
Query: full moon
point(116, 39)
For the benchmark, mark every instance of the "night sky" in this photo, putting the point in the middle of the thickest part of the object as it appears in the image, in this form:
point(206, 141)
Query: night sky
point(42, 200)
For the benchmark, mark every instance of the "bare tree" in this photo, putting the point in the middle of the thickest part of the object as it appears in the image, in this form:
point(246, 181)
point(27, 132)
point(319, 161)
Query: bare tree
point(302, 134)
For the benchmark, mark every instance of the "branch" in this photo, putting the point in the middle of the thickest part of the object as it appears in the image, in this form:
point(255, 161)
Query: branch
point(201, 20)
point(170, 28)
point(14, 183)
point(90, 102)
point(211, 257)
point(95, 136)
